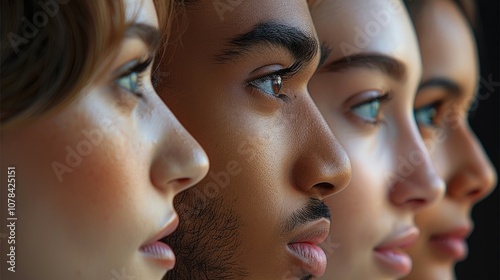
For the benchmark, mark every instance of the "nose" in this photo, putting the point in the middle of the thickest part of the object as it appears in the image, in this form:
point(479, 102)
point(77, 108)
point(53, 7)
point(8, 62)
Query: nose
point(473, 176)
point(322, 167)
point(179, 162)
point(415, 184)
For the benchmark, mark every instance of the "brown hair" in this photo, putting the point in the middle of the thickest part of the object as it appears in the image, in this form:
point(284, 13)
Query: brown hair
point(51, 50)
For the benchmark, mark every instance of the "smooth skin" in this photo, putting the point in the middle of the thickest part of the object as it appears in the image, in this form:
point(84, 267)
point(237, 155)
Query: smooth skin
point(365, 90)
point(272, 154)
point(125, 156)
point(449, 84)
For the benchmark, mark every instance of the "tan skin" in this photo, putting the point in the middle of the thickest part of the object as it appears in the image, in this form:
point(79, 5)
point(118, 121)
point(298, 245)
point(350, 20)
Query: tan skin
point(448, 54)
point(284, 151)
point(94, 221)
point(373, 219)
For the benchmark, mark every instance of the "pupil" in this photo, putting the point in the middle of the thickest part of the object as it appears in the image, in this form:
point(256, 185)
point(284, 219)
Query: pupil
point(277, 85)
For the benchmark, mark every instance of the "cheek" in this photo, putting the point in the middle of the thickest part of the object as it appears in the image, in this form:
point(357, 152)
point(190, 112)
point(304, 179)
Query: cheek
point(108, 188)
point(81, 186)
point(366, 197)
point(438, 152)
point(426, 221)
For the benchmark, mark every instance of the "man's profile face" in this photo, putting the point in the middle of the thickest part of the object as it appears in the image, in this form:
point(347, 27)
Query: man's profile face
point(237, 80)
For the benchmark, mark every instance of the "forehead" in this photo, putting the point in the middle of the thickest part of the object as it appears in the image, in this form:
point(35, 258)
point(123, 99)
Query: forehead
point(225, 18)
point(142, 11)
point(378, 26)
point(446, 40)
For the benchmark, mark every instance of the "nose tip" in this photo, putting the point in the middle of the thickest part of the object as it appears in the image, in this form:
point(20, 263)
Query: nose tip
point(340, 172)
point(323, 167)
point(323, 176)
point(193, 166)
point(417, 184)
point(474, 177)
point(180, 161)
point(416, 195)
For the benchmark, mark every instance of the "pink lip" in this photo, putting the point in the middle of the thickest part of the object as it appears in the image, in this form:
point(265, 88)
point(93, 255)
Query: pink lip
point(159, 251)
point(452, 243)
point(305, 248)
point(390, 254)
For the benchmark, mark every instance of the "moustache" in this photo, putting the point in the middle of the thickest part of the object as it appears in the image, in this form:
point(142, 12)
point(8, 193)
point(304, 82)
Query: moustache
point(314, 210)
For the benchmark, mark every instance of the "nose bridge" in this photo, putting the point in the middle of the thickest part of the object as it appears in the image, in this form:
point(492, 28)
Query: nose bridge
point(322, 167)
point(416, 184)
point(179, 161)
point(473, 176)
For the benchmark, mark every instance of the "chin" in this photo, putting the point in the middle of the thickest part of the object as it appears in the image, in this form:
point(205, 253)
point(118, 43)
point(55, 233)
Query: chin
point(435, 273)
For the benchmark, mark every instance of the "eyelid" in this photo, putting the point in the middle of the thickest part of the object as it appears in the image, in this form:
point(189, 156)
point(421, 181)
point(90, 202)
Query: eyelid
point(137, 66)
point(362, 100)
point(384, 98)
point(435, 104)
point(284, 73)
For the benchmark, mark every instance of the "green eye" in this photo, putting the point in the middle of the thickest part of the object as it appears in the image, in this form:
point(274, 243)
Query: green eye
point(426, 116)
point(270, 85)
point(128, 82)
point(368, 111)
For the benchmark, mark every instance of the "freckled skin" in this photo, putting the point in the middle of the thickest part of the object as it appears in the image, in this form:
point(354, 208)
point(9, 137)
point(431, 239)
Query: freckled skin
point(449, 51)
point(375, 207)
point(124, 158)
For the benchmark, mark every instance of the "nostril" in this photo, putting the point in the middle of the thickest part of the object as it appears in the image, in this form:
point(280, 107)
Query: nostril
point(181, 181)
point(417, 203)
point(325, 188)
point(473, 194)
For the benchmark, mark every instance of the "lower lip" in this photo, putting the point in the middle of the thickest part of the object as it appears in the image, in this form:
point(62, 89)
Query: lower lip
point(161, 253)
point(454, 247)
point(394, 260)
point(312, 257)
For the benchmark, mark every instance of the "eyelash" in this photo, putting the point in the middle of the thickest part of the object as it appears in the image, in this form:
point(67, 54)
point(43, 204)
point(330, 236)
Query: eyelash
point(138, 70)
point(382, 99)
point(283, 75)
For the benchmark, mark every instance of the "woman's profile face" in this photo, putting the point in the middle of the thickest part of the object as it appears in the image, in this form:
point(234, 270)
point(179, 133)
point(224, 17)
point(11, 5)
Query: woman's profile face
point(95, 181)
point(449, 83)
point(365, 90)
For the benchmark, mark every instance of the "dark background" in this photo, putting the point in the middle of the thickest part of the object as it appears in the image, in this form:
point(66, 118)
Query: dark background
point(483, 262)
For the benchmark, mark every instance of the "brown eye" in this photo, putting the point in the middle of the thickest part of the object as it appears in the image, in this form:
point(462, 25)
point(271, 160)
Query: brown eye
point(269, 84)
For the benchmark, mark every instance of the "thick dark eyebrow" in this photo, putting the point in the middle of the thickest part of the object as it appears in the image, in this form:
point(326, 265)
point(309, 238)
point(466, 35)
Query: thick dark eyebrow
point(301, 45)
point(383, 63)
point(440, 82)
point(147, 33)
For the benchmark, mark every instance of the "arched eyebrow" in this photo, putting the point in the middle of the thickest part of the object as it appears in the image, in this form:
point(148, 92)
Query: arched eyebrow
point(149, 34)
point(440, 82)
point(387, 65)
point(302, 46)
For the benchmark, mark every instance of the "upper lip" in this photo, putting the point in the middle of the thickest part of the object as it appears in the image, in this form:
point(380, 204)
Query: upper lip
point(401, 239)
point(461, 232)
point(165, 231)
point(315, 233)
